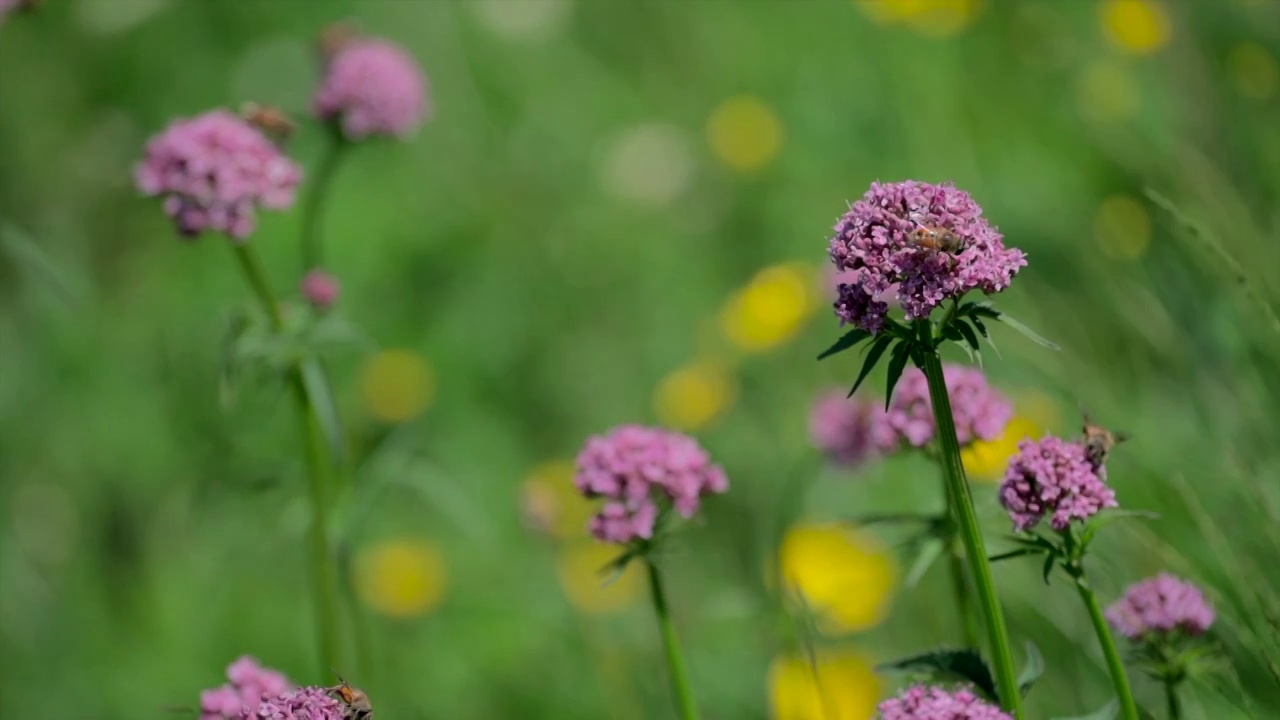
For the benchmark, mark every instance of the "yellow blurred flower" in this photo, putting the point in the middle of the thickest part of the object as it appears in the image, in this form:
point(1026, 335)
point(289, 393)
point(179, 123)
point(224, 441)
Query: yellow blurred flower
point(579, 570)
point(397, 385)
point(939, 18)
point(986, 460)
point(1108, 92)
point(770, 309)
point(552, 504)
point(745, 133)
point(402, 578)
point(844, 687)
point(691, 397)
point(845, 575)
point(1136, 26)
point(1253, 70)
point(1122, 227)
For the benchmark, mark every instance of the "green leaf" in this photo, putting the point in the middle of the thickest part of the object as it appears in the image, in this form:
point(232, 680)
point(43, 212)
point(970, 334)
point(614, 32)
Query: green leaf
point(963, 664)
point(969, 336)
point(873, 357)
point(615, 567)
point(846, 341)
point(1107, 712)
point(1049, 562)
point(1028, 332)
point(1021, 552)
point(930, 549)
point(1106, 517)
point(323, 405)
point(228, 364)
point(1032, 671)
point(897, 364)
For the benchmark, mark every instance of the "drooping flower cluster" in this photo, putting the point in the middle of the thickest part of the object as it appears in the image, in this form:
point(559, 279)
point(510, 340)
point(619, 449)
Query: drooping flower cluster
point(850, 431)
point(371, 87)
point(248, 684)
point(874, 239)
point(1161, 605)
point(215, 171)
point(634, 468)
point(308, 703)
point(979, 411)
point(921, 702)
point(1053, 477)
point(320, 289)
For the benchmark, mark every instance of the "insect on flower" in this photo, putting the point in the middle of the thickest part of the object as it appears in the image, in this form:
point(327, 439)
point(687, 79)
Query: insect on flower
point(355, 703)
point(272, 121)
point(937, 239)
point(1098, 442)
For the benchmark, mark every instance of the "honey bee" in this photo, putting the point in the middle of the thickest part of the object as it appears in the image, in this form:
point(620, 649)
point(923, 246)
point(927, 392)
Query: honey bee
point(937, 239)
point(355, 703)
point(270, 120)
point(1098, 442)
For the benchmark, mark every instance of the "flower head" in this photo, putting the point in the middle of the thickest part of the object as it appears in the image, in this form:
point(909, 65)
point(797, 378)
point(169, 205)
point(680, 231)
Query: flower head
point(850, 431)
point(921, 702)
point(248, 684)
point(214, 171)
point(308, 703)
point(633, 467)
point(874, 238)
point(1161, 605)
point(320, 289)
point(372, 87)
point(979, 411)
point(1053, 477)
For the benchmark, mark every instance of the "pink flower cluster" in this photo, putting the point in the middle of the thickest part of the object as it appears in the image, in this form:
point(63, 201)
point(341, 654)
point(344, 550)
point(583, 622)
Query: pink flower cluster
point(320, 289)
point(874, 239)
point(633, 468)
point(215, 171)
point(979, 411)
point(308, 703)
point(1053, 477)
point(372, 87)
point(850, 431)
point(933, 703)
point(248, 683)
point(1161, 605)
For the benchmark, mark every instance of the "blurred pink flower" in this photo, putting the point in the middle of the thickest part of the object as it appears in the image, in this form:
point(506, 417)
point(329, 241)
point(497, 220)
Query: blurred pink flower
point(633, 467)
point(320, 289)
point(933, 703)
point(372, 87)
point(249, 683)
point(308, 703)
point(850, 431)
point(1053, 477)
point(215, 171)
point(1161, 605)
point(979, 411)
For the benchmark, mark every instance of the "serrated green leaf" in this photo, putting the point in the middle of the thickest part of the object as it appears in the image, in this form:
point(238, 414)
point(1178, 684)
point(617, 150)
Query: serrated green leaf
point(963, 664)
point(1107, 712)
point(967, 351)
point(1026, 331)
point(873, 357)
point(951, 333)
point(1032, 671)
point(846, 341)
point(316, 382)
point(897, 363)
point(928, 553)
point(969, 336)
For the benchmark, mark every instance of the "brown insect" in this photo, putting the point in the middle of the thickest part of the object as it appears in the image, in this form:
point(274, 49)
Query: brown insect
point(937, 239)
point(1098, 442)
point(355, 703)
point(270, 120)
point(334, 38)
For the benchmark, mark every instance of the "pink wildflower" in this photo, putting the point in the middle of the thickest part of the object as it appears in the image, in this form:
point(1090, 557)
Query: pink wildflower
point(1053, 477)
point(1161, 605)
point(248, 684)
point(850, 431)
point(320, 289)
point(979, 411)
point(372, 87)
point(308, 703)
point(933, 703)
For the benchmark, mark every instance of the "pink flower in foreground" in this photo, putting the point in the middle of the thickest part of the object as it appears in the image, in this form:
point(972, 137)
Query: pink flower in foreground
point(308, 703)
point(1161, 605)
point(933, 703)
point(248, 684)
point(1053, 477)
point(874, 239)
point(372, 87)
point(215, 171)
point(320, 289)
point(850, 431)
point(979, 411)
point(634, 467)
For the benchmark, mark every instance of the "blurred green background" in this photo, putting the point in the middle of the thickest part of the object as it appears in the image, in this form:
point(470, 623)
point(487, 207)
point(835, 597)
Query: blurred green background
point(619, 213)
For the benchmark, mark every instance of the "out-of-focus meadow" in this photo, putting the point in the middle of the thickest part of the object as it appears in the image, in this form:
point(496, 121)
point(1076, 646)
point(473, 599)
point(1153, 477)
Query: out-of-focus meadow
point(620, 212)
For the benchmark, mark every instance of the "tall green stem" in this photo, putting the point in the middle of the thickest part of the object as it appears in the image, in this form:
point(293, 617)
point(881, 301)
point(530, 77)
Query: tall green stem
point(1119, 678)
point(319, 465)
point(959, 585)
point(313, 206)
point(961, 502)
point(1171, 698)
point(675, 660)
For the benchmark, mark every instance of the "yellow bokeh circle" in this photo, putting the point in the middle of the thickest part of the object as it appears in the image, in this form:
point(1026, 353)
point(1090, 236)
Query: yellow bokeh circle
point(552, 504)
point(745, 133)
point(397, 385)
point(986, 460)
point(836, 686)
point(770, 309)
point(693, 396)
point(579, 567)
point(1136, 26)
point(403, 578)
point(845, 575)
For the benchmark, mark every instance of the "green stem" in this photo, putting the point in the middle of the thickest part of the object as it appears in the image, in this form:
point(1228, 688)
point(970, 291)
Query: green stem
point(1171, 697)
point(313, 206)
point(962, 510)
point(1119, 678)
point(959, 584)
point(318, 468)
point(675, 660)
